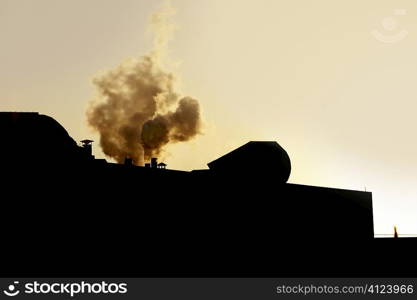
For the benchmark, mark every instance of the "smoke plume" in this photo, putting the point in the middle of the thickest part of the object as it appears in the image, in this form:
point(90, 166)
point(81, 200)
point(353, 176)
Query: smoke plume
point(138, 109)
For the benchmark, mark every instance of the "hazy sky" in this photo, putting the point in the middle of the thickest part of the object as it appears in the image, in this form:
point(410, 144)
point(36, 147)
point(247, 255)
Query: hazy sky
point(334, 82)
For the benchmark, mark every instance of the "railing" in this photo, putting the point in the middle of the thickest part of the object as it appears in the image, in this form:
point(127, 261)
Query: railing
point(392, 235)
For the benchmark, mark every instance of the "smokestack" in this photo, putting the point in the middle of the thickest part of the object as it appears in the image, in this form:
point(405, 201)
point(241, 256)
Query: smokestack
point(128, 161)
point(154, 163)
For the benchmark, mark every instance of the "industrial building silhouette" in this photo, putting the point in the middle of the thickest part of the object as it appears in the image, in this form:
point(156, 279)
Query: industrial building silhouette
point(86, 216)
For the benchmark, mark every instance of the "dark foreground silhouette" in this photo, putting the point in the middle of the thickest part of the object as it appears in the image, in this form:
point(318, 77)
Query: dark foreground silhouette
point(65, 213)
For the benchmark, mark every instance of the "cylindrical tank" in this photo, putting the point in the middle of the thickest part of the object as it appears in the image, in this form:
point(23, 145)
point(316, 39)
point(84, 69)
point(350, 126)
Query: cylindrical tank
point(255, 159)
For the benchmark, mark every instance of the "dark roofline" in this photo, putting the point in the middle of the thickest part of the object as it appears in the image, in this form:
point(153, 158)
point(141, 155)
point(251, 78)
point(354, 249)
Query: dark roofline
point(117, 165)
point(238, 149)
point(20, 112)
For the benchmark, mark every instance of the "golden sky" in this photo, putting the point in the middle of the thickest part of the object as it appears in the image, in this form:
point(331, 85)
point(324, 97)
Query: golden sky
point(334, 82)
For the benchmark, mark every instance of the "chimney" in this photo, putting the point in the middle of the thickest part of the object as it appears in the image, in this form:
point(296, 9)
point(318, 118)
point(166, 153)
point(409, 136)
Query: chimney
point(154, 163)
point(87, 148)
point(128, 161)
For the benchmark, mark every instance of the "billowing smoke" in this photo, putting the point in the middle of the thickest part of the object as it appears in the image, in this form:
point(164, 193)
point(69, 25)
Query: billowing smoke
point(138, 109)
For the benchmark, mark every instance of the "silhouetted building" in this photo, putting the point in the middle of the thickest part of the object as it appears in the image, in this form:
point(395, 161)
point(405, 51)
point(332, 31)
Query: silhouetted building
point(238, 215)
point(252, 170)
